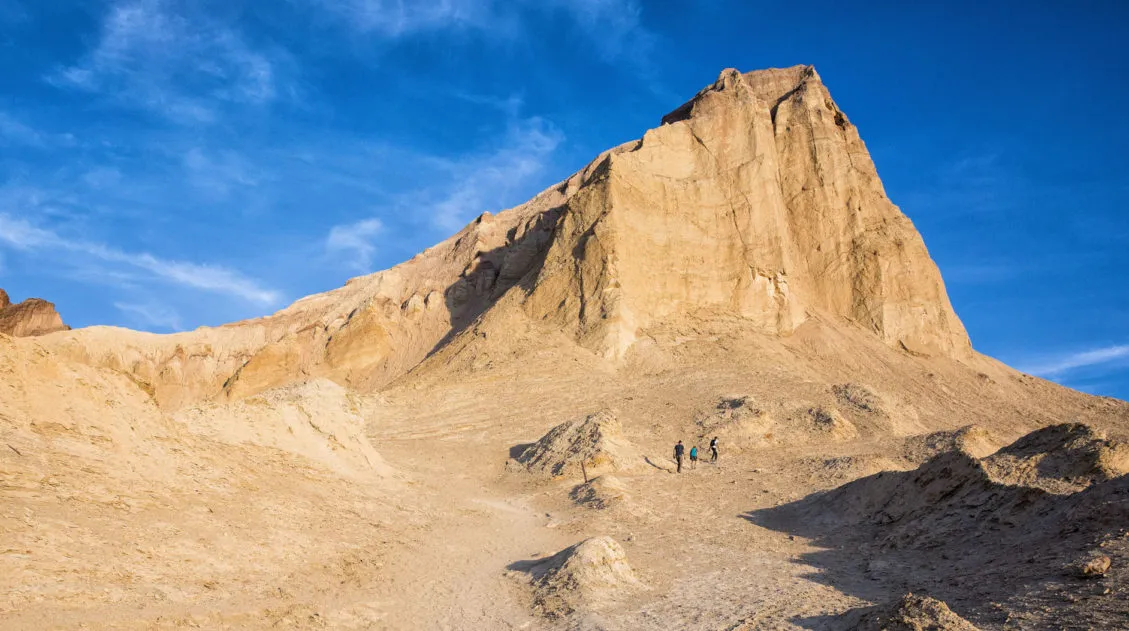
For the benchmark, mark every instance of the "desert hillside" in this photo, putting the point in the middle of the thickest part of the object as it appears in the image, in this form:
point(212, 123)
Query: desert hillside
point(482, 436)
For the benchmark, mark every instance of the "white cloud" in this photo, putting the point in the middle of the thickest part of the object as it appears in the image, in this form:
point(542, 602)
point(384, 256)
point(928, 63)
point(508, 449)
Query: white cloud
point(488, 180)
point(152, 57)
point(612, 26)
point(151, 316)
point(217, 175)
point(21, 235)
point(395, 18)
point(14, 132)
point(355, 240)
point(100, 178)
point(1056, 366)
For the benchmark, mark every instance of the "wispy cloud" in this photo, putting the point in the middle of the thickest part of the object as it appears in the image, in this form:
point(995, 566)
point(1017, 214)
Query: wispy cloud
point(1058, 366)
point(486, 181)
point(219, 174)
point(21, 235)
point(15, 132)
point(151, 316)
point(613, 27)
point(986, 272)
point(356, 241)
point(153, 57)
point(969, 185)
point(395, 18)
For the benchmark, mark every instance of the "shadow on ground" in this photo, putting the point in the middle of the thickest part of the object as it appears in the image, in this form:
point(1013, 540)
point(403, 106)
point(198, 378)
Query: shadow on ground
point(997, 554)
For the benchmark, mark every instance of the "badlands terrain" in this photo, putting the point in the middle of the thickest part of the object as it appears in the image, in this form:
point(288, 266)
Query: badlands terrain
point(481, 437)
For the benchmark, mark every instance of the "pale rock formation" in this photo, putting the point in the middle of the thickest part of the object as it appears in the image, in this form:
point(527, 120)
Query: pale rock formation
point(31, 317)
point(758, 199)
point(755, 200)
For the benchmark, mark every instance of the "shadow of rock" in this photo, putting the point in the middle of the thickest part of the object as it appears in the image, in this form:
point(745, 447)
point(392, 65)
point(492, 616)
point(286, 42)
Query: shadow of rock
point(492, 272)
point(520, 448)
point(992, 551)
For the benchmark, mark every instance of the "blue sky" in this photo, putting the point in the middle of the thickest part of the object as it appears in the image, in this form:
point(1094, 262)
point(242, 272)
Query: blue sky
point(166, 164)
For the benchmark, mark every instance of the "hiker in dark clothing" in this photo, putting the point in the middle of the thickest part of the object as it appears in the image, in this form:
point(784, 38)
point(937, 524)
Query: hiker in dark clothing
point(679, 449)
point(713, 449)
point(694, 457)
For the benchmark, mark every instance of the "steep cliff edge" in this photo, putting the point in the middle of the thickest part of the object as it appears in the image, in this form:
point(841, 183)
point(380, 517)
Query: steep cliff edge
point(756, 198)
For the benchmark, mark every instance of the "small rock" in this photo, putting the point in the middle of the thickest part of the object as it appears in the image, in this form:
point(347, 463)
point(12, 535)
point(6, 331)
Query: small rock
point(1095, 567)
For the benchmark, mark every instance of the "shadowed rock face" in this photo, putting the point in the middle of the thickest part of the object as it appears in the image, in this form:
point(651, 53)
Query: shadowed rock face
point(28, 318)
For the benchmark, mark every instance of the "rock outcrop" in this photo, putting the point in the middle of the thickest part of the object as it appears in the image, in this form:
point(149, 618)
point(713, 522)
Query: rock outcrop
point(755, 200)
point(29, 318)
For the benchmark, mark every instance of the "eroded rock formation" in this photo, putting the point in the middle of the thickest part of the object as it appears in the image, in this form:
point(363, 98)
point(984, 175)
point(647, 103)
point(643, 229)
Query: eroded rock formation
point(31, 317)
point(755, 200)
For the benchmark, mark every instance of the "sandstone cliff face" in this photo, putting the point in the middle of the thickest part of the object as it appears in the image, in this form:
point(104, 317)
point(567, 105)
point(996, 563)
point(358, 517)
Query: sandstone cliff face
point(755, 200)
point(28, 318)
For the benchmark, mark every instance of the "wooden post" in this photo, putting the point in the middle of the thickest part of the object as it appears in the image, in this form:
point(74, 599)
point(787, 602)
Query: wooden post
point(584, 471)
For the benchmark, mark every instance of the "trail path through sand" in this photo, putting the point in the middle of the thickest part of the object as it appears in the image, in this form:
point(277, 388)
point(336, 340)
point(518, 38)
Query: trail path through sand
point(447, 582)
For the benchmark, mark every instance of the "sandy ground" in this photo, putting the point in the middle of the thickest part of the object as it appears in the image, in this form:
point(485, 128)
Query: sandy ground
point(197, 525)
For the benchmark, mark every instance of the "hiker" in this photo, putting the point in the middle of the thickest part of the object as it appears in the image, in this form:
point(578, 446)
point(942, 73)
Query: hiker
point(694, 457)
point(713, 449)
point(679, 449)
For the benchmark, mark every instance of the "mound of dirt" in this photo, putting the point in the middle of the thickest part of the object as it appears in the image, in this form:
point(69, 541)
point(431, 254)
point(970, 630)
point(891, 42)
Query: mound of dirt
point(590, 575)
point(1060, 459)
point(602, 492)
point(827, 423)
point(858, 397)
point(738, 423)
point(596, 440)
point(842, 469)
point(912, 613)
point(971, 439)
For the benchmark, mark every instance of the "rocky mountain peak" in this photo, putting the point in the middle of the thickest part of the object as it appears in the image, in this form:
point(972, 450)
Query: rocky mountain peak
point(756, 202)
